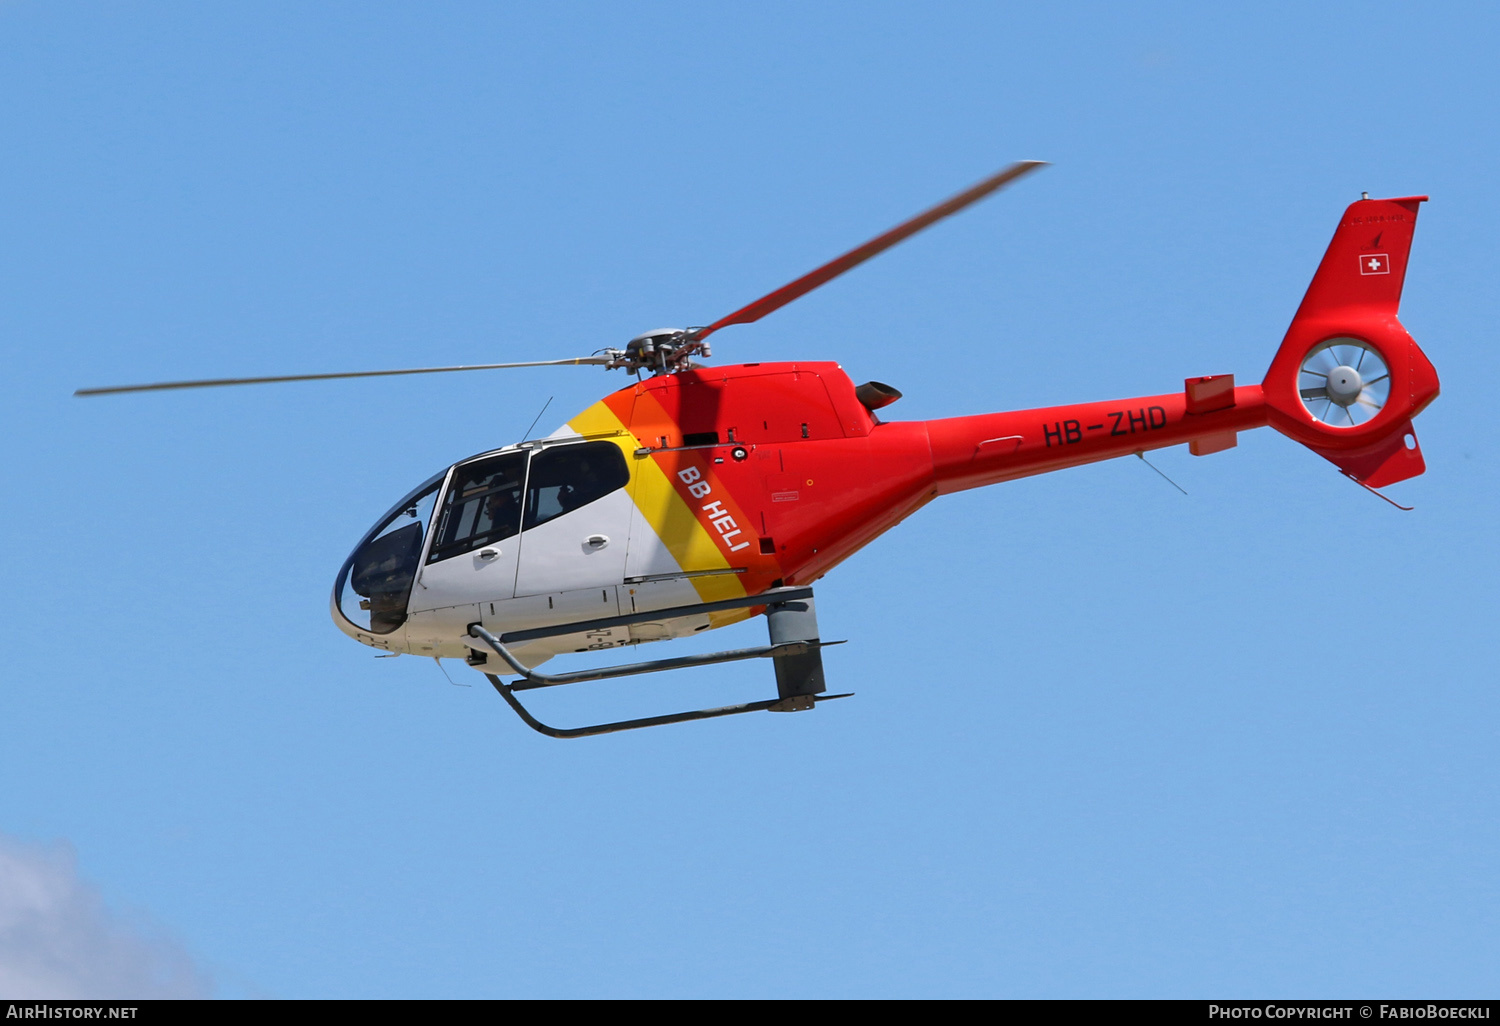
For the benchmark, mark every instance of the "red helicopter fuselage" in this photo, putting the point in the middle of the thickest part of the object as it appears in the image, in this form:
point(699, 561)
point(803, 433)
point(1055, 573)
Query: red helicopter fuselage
point(700, 496)
point(674, 504)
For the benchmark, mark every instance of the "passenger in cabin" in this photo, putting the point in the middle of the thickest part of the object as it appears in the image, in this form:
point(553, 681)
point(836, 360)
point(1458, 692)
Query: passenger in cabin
point(583, 487)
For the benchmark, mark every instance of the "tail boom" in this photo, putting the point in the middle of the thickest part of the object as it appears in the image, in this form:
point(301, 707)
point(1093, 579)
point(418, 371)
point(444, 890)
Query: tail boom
point(969, 452)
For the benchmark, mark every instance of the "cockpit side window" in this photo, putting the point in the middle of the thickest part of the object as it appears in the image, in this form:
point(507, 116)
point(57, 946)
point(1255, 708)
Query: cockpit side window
point(565, 477)
point(483, 505)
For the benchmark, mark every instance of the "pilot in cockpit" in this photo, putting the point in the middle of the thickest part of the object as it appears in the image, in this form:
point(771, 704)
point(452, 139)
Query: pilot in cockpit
point(504, 512)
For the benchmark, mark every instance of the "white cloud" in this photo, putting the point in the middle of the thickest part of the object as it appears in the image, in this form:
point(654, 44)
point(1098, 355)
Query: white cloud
point(59, 940)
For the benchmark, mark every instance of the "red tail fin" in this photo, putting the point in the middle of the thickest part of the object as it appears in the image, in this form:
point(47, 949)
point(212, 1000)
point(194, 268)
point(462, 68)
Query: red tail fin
point(1348, 379)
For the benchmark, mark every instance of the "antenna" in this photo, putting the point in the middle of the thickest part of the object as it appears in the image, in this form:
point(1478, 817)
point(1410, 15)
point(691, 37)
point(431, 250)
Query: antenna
point(440, 666)
point(1142, 457)
point(538, 416)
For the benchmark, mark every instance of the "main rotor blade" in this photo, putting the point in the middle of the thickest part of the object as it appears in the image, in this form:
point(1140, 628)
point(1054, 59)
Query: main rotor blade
point(217, 382)
point(805, 284)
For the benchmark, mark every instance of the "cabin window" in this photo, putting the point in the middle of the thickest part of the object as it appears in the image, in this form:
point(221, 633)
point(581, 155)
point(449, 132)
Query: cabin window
point(566, 477)
point(483, 505)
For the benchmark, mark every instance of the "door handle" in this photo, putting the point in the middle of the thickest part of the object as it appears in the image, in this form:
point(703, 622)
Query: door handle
point(598, 541)
point(489, 554)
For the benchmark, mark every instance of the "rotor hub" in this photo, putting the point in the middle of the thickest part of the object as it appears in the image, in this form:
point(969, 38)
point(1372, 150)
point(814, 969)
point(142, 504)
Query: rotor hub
point(663, 351)
point(1344, 385)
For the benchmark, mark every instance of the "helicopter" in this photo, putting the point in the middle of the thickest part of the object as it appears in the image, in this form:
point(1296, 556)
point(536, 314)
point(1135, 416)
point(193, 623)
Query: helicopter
point(700, 496)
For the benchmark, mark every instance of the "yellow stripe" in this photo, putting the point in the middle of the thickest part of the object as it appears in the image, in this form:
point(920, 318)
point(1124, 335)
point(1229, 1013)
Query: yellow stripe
point(669, 515)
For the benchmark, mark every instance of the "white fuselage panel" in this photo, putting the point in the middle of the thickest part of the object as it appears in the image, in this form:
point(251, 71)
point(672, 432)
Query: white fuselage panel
point(584, 548)
point(486, 574)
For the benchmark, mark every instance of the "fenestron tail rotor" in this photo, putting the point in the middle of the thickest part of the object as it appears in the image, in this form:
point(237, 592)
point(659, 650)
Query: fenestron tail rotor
point(1344, 382)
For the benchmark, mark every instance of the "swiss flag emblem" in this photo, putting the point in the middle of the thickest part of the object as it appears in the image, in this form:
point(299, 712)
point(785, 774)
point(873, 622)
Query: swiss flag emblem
point(1374, 263)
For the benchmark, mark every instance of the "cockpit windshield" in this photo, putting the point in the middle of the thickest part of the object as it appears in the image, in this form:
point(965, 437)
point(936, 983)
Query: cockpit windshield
point(375, 582)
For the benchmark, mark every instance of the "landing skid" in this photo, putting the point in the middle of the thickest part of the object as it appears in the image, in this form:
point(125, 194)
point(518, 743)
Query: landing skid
point(798, 703)
point(795, 651)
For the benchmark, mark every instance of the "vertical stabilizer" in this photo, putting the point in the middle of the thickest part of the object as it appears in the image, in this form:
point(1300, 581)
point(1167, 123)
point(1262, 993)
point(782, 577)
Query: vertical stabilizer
point(1348, 378)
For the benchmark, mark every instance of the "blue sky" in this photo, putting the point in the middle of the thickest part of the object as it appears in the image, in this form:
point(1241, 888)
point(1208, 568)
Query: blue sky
point(1107, 741)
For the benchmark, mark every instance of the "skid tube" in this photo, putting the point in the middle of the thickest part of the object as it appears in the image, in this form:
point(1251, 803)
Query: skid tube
point(775, 600)
point(778, 704)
